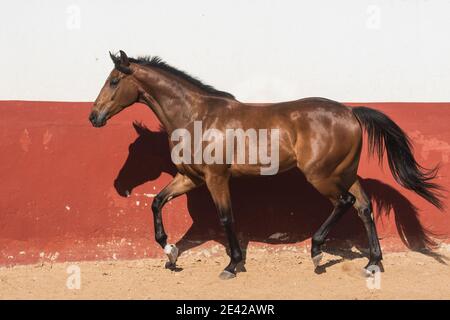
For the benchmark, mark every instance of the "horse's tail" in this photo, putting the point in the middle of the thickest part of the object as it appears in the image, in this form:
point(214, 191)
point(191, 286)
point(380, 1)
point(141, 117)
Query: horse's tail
point(383, 133)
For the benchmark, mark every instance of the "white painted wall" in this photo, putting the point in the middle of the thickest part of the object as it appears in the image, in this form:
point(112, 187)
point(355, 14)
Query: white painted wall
point(260, 50)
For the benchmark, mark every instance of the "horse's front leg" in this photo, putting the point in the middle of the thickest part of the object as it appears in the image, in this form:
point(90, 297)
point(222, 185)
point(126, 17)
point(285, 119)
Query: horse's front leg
point(178, 186)
point(219, 189)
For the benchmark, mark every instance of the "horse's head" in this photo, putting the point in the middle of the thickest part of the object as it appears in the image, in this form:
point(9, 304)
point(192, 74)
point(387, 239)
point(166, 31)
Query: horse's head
point(119, 91)
point(148, 157)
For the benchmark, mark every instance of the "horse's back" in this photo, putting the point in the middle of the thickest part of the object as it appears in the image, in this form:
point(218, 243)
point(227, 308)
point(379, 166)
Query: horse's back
point(316, 129)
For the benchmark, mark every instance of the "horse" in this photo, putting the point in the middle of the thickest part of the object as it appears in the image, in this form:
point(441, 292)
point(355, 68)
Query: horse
point(321, 137)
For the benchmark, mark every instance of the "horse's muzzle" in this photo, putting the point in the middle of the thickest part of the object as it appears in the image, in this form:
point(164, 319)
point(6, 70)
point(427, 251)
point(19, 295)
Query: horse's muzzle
point(96, 120)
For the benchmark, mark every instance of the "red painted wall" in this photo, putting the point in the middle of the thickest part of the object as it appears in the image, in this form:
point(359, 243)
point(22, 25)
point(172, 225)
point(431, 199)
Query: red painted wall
point(59, 199)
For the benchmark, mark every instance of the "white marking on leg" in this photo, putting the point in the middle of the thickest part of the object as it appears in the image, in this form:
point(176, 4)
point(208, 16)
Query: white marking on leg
point(172, 252)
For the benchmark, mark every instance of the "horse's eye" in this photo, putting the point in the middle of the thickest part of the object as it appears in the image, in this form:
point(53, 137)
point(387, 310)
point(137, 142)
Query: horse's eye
point(113, 82)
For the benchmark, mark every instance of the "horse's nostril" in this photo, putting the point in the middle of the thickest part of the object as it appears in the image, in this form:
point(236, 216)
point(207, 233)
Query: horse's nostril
point(92, 117)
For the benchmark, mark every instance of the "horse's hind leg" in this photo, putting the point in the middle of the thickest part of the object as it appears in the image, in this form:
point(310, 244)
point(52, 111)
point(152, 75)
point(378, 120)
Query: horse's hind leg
point(364, 208)
point(342, 201)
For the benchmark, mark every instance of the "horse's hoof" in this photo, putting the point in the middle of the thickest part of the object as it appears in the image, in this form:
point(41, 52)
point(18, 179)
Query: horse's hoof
point(316, 260)
point(171, 266)
point(227, 275)
point(172, 253)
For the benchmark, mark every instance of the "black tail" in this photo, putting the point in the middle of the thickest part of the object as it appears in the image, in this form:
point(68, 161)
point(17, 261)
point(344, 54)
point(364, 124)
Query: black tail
point(383, 133)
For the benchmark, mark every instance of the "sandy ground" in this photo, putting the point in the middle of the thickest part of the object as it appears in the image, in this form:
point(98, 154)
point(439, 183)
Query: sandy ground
point(271, 274)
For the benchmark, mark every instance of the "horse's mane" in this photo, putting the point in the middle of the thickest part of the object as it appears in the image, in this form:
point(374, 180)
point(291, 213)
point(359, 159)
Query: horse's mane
point(157, 62)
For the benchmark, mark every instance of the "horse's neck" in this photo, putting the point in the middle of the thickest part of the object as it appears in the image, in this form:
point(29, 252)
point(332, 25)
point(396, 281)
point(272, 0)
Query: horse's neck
point(158, 111)
point(174, 106)
point(173, 113)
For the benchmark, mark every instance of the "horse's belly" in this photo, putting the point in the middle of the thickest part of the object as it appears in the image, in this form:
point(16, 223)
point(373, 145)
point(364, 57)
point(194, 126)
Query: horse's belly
point(271, 168)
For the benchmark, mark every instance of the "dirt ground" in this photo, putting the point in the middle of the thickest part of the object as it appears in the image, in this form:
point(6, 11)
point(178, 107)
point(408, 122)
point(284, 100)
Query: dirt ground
point(271, 274)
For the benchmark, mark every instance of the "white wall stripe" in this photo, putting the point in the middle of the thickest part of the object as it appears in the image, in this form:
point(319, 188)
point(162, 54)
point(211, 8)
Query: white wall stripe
point(353, 50)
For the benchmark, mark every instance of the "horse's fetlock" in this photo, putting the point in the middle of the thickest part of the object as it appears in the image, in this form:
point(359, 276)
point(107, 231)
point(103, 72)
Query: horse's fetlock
point(161, 238)
point(236, 256)
point(317, 240)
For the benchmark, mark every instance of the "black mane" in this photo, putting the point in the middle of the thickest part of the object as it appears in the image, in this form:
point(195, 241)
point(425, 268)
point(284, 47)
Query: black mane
point(157, 62)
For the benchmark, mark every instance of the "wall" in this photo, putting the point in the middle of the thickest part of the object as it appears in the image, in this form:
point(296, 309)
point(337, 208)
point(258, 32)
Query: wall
point(355, 50)
point(62, 179)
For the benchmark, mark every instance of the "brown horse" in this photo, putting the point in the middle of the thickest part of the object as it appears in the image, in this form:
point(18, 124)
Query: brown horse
point(322, 138)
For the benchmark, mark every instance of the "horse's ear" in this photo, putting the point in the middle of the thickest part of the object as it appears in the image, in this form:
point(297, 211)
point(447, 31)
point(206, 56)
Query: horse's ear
point(124, 59)
point(114, 59)
point(122, 64)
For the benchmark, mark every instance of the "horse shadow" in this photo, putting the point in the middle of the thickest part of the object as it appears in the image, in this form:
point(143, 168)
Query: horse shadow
point(280, 209)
